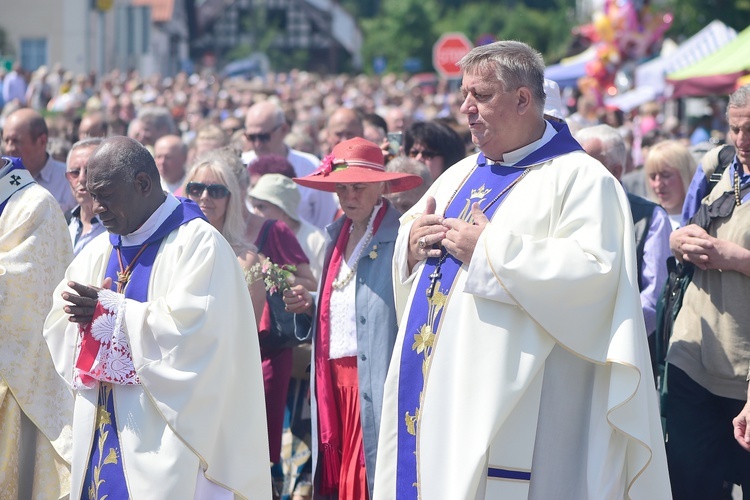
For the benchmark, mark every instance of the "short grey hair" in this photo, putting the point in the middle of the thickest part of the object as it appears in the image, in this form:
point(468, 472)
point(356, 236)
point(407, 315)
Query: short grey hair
point(515, 63)
point(615, 151)
point(92, 142)
point(740, 98)
point(159, 117)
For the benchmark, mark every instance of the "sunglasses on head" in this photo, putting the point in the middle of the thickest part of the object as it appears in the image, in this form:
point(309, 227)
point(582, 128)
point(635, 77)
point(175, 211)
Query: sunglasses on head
point(426, 153)
point(263, 137)
point(216, 191)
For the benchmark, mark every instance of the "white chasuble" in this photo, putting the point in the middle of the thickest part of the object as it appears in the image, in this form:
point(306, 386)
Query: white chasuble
point(36, 407)
point(539, 383)
point(200, 403)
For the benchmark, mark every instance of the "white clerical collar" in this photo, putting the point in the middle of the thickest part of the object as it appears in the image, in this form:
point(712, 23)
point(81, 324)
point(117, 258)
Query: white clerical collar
point(153, 223)
point(513, 157)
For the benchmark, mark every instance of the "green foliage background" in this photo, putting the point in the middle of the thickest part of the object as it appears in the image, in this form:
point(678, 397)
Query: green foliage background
point(408, 28)
point(399, 29)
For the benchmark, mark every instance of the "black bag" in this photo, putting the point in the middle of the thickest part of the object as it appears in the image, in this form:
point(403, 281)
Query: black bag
point(680, 275)
point(287, 329)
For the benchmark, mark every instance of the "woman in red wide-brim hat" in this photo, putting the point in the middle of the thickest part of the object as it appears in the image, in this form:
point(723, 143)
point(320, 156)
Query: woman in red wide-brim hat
point(355, 324)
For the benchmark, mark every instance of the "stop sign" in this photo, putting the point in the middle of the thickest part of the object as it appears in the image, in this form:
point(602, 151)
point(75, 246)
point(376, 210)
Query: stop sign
point(447, 51)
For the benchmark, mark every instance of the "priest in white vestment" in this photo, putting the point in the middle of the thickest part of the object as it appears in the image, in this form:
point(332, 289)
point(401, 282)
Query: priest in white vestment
point(165, 365)
point(36, 408)
point(521, 368)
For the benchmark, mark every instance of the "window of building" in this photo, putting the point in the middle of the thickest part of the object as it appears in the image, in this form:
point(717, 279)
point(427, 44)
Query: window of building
point(33, 53)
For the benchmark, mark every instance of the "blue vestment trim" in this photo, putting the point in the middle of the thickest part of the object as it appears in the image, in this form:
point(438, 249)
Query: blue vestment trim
point(498, 473)
point(483, 185)
point(109, 480)
point(15, 165)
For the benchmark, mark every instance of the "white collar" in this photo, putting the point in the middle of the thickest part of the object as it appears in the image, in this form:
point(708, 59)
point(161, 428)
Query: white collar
point(153, 223)
point(513, 157)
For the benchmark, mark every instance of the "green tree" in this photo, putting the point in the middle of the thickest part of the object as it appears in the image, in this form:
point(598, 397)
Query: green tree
point(690, 16)
point(403, 29)
point(409, 28)
point(6, 48)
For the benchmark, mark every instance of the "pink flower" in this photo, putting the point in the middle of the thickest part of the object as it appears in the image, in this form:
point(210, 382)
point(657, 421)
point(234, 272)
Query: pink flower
point(328, 164)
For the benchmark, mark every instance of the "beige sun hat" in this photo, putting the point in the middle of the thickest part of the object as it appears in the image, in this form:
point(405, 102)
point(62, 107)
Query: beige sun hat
point(279, 190)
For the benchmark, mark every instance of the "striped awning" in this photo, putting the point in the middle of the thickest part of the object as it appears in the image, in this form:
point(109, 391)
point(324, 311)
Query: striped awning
point(699, 46)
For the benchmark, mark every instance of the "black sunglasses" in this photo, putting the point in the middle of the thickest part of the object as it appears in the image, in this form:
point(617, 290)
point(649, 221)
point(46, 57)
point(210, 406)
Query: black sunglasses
point(263, 137)
point(216, 191)
point(426, 153)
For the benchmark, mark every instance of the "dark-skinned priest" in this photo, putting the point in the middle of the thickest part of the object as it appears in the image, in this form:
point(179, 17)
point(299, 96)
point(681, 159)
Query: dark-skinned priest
point(153, 329)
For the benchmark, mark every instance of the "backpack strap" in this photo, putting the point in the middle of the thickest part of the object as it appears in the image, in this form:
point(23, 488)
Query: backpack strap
point(715, 162)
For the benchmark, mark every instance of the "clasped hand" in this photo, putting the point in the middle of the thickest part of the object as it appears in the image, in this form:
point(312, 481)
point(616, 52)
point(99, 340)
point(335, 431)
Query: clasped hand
point(693, 244)
point(459, 238)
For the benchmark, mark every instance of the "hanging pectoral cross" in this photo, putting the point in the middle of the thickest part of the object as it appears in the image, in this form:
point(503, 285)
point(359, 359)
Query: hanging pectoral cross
point(122, 279)
point(434, 277)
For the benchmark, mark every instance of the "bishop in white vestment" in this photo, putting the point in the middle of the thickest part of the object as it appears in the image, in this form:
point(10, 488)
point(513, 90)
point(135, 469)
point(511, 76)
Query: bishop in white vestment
point(522, 370)
point(167, 377)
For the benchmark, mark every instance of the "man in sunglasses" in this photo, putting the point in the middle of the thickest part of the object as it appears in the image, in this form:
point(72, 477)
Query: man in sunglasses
point(152, 328)
point(265, 130)
point(83, 225)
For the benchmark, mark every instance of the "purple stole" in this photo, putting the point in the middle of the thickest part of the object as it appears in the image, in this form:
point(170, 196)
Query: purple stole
point(483, 185)
point(104, 474)
point(14, 181)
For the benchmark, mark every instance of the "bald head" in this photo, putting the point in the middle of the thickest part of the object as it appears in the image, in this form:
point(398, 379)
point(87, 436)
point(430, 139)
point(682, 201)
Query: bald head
point(25, 136)
point(123, 180)
point(92, 125)
point(343, 124)
point(170, 154)
point(265, 129)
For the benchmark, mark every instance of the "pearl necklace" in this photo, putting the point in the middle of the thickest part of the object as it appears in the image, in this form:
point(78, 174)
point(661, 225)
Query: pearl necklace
point(338, 284)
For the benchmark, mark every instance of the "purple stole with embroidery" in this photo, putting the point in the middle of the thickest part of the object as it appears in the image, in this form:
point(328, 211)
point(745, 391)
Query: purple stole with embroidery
point(14, 181)
point(483, 185)
point(104, 474)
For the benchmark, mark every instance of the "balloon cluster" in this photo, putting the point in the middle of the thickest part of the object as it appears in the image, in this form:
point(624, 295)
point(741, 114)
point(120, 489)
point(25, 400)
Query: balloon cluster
point(625, 31)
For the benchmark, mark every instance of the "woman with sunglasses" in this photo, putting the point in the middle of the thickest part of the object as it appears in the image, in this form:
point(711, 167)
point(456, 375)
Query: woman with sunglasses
point(436, 145)
point(355, 323)
point(221, 169)
point(213, 186)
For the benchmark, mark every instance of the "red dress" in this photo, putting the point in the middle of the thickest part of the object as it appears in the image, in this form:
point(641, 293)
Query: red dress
point(281, 246)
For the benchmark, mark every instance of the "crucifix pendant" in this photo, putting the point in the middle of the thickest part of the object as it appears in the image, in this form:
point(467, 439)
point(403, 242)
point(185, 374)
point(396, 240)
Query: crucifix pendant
point(122, 280)
point(436, 275)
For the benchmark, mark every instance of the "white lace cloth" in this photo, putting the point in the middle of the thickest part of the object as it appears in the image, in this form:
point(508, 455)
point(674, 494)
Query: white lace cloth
point(114, 361)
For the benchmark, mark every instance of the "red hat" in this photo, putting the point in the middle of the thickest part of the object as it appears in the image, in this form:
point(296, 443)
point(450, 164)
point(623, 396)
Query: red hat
point(356, 161)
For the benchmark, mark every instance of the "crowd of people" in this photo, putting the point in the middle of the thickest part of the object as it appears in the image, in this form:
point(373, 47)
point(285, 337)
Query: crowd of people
point(473, 275)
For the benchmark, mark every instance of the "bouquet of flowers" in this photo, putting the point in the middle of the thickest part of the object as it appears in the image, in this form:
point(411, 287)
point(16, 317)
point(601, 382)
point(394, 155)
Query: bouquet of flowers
point(276, 278)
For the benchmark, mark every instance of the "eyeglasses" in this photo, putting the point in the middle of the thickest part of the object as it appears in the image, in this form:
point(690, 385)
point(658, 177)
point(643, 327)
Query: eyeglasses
point(263, 137)
point(73, 174)
point(426, 153)
point(215, 191)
